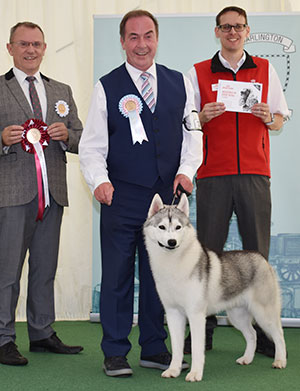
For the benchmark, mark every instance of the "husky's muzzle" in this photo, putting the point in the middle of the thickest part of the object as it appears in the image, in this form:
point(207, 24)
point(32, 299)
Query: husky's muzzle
point(172, 244)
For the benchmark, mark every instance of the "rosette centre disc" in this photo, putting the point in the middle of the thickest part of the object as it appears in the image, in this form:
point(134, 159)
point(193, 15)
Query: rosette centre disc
point(33, 135)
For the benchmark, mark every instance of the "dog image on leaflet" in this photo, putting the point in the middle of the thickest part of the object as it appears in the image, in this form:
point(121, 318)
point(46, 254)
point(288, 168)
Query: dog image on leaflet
point(193, 282)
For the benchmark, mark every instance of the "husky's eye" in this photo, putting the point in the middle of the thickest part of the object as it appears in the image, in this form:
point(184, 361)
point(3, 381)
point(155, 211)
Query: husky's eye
point(162, 227)
point(178, 227)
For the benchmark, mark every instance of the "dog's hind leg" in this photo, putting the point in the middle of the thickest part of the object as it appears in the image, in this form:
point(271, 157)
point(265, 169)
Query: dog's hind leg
point(197, 328)
point(176, 324)
point(241, 319)
point(270, 322)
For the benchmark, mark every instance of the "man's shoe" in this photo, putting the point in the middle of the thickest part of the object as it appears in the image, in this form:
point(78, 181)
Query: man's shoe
point(263, 344)
point(117, 366)
point(187, 349)
point(188, 343)
point(267, 350)
point(10, 355)
point(54, 345)
point(209, 340)
point(159, 361)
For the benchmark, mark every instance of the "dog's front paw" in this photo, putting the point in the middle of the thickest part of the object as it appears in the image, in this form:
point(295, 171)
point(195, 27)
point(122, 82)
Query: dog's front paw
point(279, 364)
point(244, 360)
point(171, 372)
point(194, 376)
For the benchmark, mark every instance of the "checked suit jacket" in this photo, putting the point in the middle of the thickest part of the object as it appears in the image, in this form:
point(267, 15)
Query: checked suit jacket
point(18, 181)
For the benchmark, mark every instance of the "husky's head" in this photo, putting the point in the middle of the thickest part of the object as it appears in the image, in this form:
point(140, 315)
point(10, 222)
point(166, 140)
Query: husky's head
point(167, 225)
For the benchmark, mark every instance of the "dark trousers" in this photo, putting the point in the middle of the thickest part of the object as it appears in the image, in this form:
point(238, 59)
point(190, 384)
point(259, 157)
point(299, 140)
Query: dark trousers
point(121, 235)
point(246, 195)
point(19, 232)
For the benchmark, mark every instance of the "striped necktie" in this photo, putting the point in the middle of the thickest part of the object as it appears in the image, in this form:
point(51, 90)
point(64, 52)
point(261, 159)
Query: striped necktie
point(36, 106)
point(147, 92)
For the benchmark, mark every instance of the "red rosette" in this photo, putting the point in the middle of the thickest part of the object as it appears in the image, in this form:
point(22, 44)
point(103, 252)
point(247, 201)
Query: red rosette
point(41, 127)
point(35, 139)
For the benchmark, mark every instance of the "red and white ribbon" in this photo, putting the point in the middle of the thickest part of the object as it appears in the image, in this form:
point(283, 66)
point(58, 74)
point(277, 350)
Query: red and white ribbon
point(35, 139)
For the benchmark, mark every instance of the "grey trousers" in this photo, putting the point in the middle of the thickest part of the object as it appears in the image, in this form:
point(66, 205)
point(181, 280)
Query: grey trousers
point(20, 232)
point(246, 195)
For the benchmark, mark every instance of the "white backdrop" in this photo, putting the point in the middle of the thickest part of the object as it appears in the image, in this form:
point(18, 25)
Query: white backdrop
point(68, 27)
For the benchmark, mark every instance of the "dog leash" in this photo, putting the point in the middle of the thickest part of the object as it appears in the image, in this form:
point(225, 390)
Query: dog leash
point(179, 190)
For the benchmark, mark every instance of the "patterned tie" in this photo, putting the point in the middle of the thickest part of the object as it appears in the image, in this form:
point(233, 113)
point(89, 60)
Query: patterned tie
point(147, 92)
point(36, 106)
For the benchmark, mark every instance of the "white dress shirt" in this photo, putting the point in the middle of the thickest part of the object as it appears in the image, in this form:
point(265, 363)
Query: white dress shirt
point(275, 100)
point(93, 145)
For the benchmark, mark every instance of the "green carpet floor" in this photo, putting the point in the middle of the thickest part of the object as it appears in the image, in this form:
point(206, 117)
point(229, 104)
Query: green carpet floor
point(48, 371)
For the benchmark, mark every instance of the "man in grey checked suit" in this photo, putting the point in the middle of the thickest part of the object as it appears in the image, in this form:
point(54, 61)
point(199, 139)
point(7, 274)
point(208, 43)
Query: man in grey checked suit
point(19, 230)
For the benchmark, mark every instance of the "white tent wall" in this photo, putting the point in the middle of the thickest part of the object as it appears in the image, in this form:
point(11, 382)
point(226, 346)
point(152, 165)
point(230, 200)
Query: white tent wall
point(68, 28)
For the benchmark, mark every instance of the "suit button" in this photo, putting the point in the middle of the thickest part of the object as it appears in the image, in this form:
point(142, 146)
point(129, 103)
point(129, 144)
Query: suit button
point(155, 130)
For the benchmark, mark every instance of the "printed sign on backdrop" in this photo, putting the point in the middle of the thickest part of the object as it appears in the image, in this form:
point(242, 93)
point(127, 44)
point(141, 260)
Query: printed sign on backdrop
point(277, 38)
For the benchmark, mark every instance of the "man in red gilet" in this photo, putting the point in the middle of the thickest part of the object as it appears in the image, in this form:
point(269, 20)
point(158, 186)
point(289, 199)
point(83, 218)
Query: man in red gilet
point(235, 172)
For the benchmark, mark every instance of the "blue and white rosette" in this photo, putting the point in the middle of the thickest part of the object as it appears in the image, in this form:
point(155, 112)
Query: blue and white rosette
point(131, 107)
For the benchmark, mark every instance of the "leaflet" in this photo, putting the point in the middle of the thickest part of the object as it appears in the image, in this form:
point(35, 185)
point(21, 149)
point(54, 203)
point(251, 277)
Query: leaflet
point(239, 96)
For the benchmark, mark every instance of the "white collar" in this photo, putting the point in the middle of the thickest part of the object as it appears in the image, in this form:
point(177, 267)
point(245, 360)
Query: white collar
point(21, 76)
point(227, 65)
point(136, 73)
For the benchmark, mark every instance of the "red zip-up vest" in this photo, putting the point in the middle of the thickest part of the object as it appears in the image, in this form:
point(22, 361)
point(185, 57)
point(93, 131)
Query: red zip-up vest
point(233, 143)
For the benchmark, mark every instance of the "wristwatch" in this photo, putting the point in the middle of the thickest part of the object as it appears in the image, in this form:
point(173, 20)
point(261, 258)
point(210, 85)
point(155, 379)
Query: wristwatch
point(272, 120)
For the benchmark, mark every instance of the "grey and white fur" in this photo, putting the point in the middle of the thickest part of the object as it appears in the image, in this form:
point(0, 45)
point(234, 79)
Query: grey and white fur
point(193, 282)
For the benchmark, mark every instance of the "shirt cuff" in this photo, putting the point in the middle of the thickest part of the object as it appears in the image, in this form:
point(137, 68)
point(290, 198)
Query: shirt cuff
point(187, 171)
point(5, 149)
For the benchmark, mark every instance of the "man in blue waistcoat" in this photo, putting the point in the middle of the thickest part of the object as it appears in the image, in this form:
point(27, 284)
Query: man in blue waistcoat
point(133, 146)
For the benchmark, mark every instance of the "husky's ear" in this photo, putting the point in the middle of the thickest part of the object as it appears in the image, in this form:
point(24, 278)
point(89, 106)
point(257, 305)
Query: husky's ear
point(155, 206)
point(183, 204)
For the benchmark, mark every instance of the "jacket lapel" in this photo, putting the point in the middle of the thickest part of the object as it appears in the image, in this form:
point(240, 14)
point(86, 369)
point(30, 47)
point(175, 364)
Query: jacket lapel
point(18, 94)
point(50, 95)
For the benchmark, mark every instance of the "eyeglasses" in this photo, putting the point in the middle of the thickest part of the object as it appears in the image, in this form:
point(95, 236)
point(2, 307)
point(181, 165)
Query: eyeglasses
point(226, 28)
point(25, 44)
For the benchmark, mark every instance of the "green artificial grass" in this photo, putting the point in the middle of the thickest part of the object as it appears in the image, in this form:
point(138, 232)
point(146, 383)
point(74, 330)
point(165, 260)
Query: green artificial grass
point(48, 371)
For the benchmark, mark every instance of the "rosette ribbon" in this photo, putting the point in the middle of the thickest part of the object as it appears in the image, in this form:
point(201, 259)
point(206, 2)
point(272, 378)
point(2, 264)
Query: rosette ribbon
point(131, 107)
point(35, 139)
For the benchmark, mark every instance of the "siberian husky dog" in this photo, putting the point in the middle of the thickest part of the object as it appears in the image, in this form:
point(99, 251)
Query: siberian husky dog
point(194, 282)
